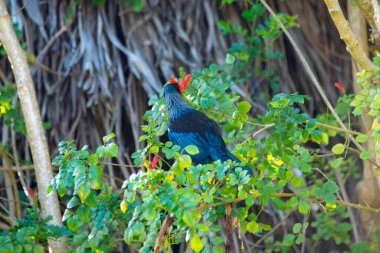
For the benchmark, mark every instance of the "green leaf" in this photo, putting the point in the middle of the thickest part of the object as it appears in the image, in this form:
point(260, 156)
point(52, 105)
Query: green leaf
point(303, 207)
point(336, 163)
point(297, 228)
point(362, 138)
point(50, 188)
point(329, 198)
point(311, 124)
point(293, 202)
point(300, 239)
point(244, 107)
point(74, 201)
point(91, 200)
point(84, 213)
point(296, 182)
point(38, 249)
point(95, 177)
point(83, 192)
point(61, 190)
point(67, 214)
point(192, 150)
point(288, 240)
point(111, 150)
point(92, 159)
point(304, 137)
point(154, 149)
point(100, 151)
point(316, 136)
point(330, 186)
point(185, 161)
point(338, 149)
point(253, 227)
point(108, 137)
point(73, 223)
point(230, 59)
point(365, 155)
point(217, 239)
point(196, 244)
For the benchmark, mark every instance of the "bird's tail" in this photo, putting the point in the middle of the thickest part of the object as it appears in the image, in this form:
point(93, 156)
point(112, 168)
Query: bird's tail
point(233, 158)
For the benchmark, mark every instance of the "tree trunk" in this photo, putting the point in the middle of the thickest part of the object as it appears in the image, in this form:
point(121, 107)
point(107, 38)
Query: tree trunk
point(35, 132)
point(367, 187)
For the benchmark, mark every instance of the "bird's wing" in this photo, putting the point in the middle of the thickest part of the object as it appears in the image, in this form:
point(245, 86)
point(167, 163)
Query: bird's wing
point(185, 139)
point(197, 129)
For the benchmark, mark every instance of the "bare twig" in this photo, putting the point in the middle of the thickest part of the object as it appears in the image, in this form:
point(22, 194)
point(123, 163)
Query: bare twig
point(339, 129)
point(290, 195)
point(346, 199)
point(279, 224)
point(229, 239)
point(163, 232)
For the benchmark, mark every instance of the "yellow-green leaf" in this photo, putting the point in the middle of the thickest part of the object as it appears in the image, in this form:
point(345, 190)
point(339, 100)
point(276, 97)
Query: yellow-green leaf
point(336, 163)
point(196, 244)
point(362, 138)
point(365, 155)
point(338, 149)
point(253, 227)
point(123, 206)
point(185, 161)
point(192, 150)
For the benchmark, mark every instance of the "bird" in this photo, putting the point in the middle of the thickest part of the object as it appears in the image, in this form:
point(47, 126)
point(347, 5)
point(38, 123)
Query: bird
point(188, 126)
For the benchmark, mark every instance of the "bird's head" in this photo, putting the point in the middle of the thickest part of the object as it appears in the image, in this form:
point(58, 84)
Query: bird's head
point(172, 85)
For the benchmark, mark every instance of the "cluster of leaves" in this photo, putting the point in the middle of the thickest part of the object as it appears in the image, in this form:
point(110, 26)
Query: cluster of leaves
point(368, 101)
point(30, 234)
point(328, 227)
point(176, 193)
point(369, 96)
point(254, 51)
point(279, 160)
point(93, 213)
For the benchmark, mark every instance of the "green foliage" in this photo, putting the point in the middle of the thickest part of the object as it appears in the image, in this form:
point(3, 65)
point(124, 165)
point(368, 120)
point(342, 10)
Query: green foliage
point(253, 53)
point(328, 226)
point(30, 234)
point(93, 210)
point(369, 96)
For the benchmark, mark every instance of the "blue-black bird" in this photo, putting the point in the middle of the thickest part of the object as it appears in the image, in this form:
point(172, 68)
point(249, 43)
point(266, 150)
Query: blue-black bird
point(188, 126)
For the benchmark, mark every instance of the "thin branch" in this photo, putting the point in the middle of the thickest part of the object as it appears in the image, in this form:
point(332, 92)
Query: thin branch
point(339, 129)
point(346, 199)
point(289, 195)
point(279, 224)
point(253, 135)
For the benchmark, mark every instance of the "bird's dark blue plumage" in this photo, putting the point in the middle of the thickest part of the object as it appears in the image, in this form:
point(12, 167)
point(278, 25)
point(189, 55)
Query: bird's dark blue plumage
point(188, 126)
